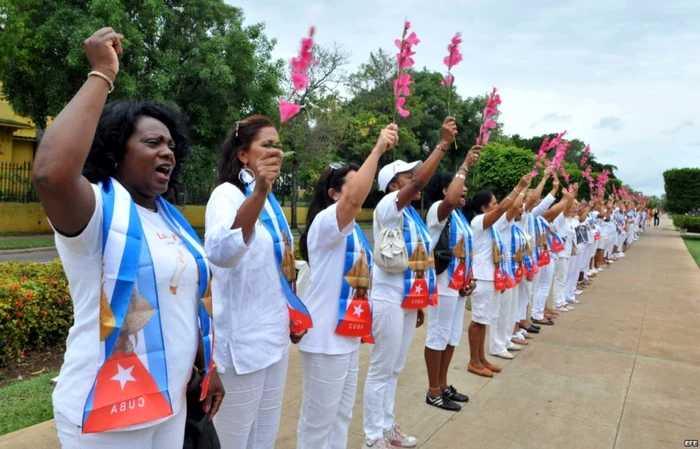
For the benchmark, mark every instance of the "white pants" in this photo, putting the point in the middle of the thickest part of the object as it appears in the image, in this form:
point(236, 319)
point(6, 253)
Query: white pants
point(393, 329)
point(249, 417)
point(561, 269)
point(541, 290)
point(330, 383)
point(572, 276)
point(445, 322)
point(166, 435)
point(501, 327)
point(523, 292)
point(609, 242)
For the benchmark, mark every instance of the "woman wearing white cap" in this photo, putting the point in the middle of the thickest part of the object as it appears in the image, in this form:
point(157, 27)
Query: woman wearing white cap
point(340, 261)
point(399, 295)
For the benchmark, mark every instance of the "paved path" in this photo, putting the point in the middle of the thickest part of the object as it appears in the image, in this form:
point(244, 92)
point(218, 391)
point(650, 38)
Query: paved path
point(622, 371)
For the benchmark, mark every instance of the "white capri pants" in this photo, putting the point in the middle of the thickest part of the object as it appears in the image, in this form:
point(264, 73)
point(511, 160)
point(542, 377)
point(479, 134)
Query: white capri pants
point(330, 383)
point(249, 416)
point(541, 290)
point(393, 329)
point(445, 322)
point(166, 435)
point(483, 298)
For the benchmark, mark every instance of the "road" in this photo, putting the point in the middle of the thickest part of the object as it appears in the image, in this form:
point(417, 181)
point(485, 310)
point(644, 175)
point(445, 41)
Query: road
point(39, 256)
point(47, 256)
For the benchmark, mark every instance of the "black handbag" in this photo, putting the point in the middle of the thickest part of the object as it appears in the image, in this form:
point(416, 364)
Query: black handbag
point(442, 251)
point(200, 433)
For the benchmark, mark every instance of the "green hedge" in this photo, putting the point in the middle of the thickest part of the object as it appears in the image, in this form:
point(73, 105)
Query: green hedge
point(682, 190)
point(690, 223)
point(500, 169)
point(35, 308)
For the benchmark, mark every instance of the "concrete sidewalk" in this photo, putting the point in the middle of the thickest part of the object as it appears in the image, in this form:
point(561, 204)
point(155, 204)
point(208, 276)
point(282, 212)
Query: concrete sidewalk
point(621, 371)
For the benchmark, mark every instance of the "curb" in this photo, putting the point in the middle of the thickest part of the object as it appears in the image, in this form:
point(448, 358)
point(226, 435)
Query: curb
point(27, 250)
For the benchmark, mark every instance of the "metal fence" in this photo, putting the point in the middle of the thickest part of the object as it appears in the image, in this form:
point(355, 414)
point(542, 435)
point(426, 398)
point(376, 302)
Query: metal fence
point(16, 182)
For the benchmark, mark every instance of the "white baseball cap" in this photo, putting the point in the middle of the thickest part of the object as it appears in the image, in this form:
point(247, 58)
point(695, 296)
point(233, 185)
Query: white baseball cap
point(388, 172)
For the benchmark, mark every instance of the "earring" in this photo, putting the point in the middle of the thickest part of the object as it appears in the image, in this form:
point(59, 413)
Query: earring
point(246, 175)
point(116, 166)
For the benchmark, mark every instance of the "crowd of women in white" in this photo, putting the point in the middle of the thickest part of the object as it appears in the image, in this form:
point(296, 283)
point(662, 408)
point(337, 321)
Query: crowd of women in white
point(100, 172)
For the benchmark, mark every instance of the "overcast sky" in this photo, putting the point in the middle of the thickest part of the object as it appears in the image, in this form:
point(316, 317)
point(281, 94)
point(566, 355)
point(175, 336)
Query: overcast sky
point(622, 75)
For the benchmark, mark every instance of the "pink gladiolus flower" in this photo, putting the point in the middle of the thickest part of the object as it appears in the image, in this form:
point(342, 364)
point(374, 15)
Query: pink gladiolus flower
point(404, 61)
point(400, 101)
point(288, 110)
point(556, 141)
point(412, 39)
point(571, 187)
point(401, 85)
point(299, 81)
point(491, 110)
point(534, 173)
point(454, 56)
point(447, 82)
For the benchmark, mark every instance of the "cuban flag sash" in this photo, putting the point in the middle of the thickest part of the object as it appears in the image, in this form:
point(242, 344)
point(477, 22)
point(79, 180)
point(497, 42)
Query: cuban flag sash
point(555, 242)
point(420, 284)
point(532, 250)
point(273, 219)
point(522, 260)
point(131, 386)
point(542, 241)
point(355, 308)
point(499, 261)
point(459, 271)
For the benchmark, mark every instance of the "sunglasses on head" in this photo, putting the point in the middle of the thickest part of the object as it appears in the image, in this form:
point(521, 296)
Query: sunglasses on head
point(337, 165)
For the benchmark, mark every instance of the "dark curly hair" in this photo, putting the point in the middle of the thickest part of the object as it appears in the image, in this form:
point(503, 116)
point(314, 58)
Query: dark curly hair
point(239, 138)
point(330, 178)
point(434, 190)
point(116, 126)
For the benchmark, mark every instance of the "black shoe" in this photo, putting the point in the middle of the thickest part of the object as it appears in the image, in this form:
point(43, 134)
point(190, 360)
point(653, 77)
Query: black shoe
point(443, 402)
point(534, 326)
point(454, 395)
point(533, 330)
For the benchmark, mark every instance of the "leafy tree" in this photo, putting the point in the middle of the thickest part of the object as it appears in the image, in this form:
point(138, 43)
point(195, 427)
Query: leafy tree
point(682, 187)
point(500, 168)
point(194, 53)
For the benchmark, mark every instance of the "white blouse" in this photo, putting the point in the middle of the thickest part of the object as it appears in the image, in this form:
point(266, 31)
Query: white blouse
point(251, 319)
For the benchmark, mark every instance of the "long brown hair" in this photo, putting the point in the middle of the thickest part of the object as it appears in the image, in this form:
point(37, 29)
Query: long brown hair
point(239, 138)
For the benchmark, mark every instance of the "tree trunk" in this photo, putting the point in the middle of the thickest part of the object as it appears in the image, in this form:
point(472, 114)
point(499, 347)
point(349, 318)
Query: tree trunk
point(295, 192)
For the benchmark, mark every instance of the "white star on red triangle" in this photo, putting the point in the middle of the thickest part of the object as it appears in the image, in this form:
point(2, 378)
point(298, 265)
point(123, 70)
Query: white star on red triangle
point(124, 375)
point(358, 310)
point(419, 289)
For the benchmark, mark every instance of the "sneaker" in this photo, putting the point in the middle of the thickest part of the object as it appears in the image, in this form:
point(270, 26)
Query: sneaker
point(562, 309)
point(397, 437)
point(578, 292)
point(456, 396)
point(569, 308)
point(443, 401)
point(574, 301)
point(379, 444)
point(504, 355)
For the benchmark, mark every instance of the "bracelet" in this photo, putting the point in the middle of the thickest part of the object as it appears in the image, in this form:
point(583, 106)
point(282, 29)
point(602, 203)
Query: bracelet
point(465, 168)
point(438, 147)
point(461, 176)
point(104, 77)
point(522, 194)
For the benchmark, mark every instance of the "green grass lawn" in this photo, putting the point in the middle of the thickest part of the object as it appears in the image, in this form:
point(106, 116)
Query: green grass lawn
point(25, 403)
point(693, 244)
point(27, 243)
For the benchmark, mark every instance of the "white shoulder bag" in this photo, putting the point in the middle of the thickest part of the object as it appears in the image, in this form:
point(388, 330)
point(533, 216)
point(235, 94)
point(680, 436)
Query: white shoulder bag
point(390, 252)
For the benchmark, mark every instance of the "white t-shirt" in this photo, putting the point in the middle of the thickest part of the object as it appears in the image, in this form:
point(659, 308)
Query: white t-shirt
point(564, 229)
point(435, 228)
point(173, 264)
point(326, 245)
point(503, 226)
point(483, 250)
point(387, 286)
point(250, 310)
